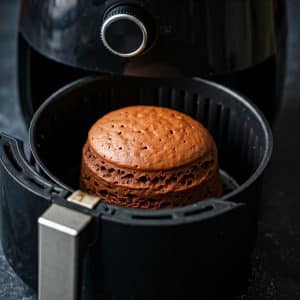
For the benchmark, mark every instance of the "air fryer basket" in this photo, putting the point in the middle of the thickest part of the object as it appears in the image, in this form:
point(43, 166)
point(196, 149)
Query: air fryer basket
point(59, 128)
point(197, 251)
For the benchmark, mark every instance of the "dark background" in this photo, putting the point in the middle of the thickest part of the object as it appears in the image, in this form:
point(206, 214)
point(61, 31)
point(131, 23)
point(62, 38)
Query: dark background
point(276, 261)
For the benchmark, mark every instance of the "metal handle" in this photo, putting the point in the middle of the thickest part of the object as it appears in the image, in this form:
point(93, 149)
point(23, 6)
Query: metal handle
point(63, 237)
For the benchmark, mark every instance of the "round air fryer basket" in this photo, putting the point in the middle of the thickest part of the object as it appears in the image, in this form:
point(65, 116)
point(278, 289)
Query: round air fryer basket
point(59, 128)
point(191, 252)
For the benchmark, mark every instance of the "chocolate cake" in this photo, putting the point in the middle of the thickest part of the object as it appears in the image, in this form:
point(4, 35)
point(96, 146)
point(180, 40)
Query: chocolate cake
point(150, 157)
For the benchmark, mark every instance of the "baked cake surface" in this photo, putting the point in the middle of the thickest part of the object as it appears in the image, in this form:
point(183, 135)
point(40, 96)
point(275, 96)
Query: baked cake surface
point(150, 157)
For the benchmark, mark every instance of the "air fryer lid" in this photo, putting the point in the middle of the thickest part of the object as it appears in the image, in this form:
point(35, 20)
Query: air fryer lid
point(59, 128)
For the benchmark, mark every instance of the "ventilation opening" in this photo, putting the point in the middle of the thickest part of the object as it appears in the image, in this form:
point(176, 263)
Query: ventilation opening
point(223, 126)
point(145, 217)
point(36, 183)
point(56, 191)
point(11, 158)
point(109, 210)
point(217, 124)
point(206, 110)
point(198, 211)
point(164, 96)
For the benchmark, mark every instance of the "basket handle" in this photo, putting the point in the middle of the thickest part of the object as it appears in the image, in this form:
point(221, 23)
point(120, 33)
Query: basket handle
point(64, 235)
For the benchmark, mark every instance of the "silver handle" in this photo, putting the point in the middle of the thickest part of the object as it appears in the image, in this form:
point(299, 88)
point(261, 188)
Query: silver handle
point(62, 237)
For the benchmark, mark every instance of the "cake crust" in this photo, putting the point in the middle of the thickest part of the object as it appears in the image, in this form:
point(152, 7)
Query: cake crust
point(149, 138)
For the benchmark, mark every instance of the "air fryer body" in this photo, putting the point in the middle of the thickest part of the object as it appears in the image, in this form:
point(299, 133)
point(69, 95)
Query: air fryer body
point(236, 43)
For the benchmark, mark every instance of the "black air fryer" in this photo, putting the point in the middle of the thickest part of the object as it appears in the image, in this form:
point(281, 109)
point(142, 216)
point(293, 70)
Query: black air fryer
point(79, 59)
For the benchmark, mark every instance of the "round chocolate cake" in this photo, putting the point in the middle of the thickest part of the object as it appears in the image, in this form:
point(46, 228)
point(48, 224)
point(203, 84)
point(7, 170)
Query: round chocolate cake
point(150, 157)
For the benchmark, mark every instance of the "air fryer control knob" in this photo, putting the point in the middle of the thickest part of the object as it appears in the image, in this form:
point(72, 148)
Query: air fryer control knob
point(126, 30)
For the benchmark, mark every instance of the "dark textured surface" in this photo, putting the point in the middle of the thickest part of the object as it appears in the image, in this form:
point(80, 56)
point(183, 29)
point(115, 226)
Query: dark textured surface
point(277, 257)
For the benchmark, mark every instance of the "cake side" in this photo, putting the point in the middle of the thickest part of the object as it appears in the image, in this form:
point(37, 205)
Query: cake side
point(158, 189)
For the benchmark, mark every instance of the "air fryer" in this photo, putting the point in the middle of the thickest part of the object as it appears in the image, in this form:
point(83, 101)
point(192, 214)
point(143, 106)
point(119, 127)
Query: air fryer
point(79, 59)
point(92, 250)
